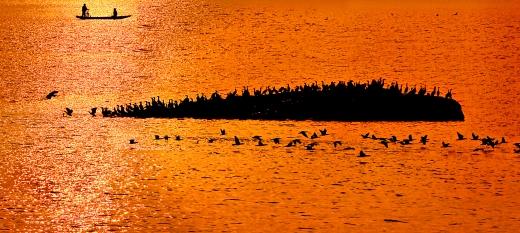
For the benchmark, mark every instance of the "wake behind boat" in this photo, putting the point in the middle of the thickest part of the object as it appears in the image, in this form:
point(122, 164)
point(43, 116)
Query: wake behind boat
point(103, 17)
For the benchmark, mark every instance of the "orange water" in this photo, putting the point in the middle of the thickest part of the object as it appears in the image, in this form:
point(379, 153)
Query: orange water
point(80, 173)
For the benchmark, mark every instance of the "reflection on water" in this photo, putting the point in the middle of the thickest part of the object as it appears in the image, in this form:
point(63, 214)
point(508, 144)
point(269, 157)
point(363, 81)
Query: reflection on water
point(80, 173)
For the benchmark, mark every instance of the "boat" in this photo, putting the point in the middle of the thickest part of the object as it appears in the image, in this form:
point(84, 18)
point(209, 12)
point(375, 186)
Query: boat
point(103, 17)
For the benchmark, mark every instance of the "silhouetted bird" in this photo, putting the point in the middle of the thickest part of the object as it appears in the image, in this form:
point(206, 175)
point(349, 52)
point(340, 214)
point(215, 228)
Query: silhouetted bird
point(296, 141)
point(304, 133)
point(178, 137)
point(166, 137)
point(336, 143)
point(365, 136)
point(444, 144)
point(460, 136)
point(311, 146)
point(503, 140)
point(393, 139)
point(222, 132)
point(260, 143)
point(93, 112)
point(314, 135)
point(211, 140)
point(374, 137)
point(362, 154)
point(68, 111)
point(157, 137)
point(424, 139)
point(517, 144)
point(237, 142)
point(256, 137)
point(385, 143)
point(474, 136)
point(410, 138)
point(323, 132)
point(405, 142)
point(52, 94)
point(290, 144)
point(133, 141)
point(349, 148)
point(276, 140)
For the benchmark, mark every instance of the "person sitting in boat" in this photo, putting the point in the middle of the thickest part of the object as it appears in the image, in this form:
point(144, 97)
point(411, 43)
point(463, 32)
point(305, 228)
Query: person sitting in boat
point(84, 10)
point(115, 13)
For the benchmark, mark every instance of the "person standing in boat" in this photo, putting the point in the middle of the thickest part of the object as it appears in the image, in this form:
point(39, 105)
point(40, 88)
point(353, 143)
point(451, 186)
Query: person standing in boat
point(84, 10)
point(115, 13)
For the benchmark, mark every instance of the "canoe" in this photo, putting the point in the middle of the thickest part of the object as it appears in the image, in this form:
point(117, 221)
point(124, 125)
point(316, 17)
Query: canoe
point(103, 17)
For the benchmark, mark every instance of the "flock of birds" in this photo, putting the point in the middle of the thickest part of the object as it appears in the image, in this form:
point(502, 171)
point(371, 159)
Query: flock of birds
point(486, 142)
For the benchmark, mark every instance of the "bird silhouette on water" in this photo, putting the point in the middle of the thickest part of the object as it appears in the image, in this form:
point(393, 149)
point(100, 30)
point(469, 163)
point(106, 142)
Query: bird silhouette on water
point(336, 143)
point(52, 94)
point(222, 132)
point(424, 139)
point(323, 132)
point(445, 144)
point(166, 137)
point(133, 141)
point(211, 140)
point(474, 136)
point(260, 143)
point(237, 142)
point(178, 137)
point(314, 136)
point(311, 146)
point(276, 140)
point(365, 136)
point(304, 133)
point(460, 136)
point(362, 154)
point(257, 137)
point(385, 143)
point(157, 137)
point(93, 112)
point(68, 111)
